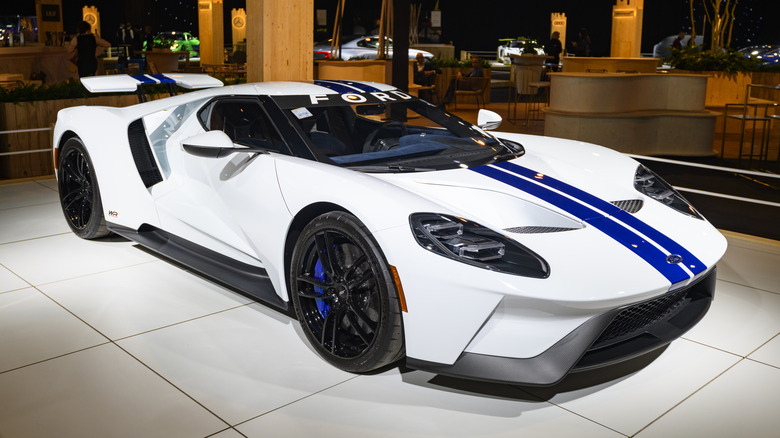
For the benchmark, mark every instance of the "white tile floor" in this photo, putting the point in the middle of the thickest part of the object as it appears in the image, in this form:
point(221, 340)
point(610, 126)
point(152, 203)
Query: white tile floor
point(101, 339)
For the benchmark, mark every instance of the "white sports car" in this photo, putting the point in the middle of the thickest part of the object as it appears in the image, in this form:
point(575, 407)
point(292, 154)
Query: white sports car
point(517, 47)
point(395, 229)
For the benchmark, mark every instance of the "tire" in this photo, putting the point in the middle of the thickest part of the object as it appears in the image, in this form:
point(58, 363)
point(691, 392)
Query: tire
point(79, 192)
point(344, 295)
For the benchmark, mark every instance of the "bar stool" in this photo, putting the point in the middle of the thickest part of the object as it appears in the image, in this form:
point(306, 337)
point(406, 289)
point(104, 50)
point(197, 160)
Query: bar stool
point(751, 113)
point(533, 105)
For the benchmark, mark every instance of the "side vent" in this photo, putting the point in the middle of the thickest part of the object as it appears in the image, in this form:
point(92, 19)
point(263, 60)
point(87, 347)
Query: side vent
point(629, 205)
point(142, 154)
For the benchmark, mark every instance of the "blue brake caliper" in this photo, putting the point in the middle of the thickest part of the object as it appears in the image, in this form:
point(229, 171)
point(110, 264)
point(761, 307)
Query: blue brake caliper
point(322, 305)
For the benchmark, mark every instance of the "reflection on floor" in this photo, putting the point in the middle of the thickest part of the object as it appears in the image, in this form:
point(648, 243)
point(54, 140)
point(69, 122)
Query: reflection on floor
point(101, 339)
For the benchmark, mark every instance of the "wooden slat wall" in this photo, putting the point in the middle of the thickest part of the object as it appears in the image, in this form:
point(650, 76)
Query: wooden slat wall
point(39, 114)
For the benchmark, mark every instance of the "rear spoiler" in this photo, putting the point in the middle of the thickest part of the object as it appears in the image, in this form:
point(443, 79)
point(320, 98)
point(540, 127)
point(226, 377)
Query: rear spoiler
point(130, 83)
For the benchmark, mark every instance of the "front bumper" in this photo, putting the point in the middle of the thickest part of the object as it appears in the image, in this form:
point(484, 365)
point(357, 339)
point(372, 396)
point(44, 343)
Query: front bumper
point(611, 337)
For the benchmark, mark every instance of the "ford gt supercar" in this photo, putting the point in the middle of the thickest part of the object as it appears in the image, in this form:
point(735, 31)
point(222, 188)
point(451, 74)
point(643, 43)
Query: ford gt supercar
point(395, 229)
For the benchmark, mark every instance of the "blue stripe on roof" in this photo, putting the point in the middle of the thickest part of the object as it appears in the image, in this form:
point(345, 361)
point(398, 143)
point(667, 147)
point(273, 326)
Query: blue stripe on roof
point(153, 79)
point(144, 79)
point(363, 87)
point(692, 262)
point(163, 79)
point(344, 87)
point(630, 240)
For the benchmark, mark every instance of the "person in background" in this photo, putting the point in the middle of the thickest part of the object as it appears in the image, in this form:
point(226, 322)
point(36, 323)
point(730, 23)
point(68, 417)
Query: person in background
point(424, 71)
point(148, 39)
point(135, 40)
point(425, 74)
point(120, 34)
point(582, 46)
point(475, 72)
point(554, 48)
point(677, 43)
point(87, 47)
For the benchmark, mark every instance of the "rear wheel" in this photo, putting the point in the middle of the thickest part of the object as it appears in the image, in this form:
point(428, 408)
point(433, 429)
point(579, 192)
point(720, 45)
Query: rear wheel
point(344, 294)
point(79, 193)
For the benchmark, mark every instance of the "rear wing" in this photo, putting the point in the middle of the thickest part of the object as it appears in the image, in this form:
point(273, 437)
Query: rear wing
point(130, 83)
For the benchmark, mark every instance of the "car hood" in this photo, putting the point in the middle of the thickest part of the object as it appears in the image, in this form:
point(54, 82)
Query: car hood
point(489, 191)
point(565, 199)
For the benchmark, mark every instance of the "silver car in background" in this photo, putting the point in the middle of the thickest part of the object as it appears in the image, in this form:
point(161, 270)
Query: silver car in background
point(360, 47)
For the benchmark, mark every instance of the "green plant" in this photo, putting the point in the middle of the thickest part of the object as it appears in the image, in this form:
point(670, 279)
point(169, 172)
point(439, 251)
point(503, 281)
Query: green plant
point(452, 62)
point(729, 61)
point(163, 43)
point(70, 89)
point(73, 89)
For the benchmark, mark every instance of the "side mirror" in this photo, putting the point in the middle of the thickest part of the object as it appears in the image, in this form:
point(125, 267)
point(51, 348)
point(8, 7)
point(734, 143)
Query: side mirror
point(488, 120)
point(214, 144)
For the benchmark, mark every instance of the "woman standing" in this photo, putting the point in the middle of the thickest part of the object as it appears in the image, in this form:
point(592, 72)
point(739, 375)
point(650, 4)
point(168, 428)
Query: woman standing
point(554, 49)
point(87, 47)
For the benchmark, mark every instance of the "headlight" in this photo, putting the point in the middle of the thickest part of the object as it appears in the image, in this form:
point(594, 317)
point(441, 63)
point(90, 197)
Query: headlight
point(650, 184)
point(471, 243)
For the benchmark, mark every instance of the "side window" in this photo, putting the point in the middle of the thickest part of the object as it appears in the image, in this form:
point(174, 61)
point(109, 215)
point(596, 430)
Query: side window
point(245, 122)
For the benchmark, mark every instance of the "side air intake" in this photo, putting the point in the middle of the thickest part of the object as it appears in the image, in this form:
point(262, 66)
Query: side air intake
point(142, 154)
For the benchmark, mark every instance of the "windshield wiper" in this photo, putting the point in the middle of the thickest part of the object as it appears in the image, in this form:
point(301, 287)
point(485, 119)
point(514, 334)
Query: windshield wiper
point(391, 168)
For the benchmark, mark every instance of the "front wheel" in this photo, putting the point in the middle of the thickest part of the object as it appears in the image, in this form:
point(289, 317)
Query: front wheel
point(79, 193)
point(344, 294)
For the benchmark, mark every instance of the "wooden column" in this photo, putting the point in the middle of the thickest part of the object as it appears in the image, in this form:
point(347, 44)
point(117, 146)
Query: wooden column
point(280, 40)
point(238, 24)
point(627, 28)
point(49, 13)
point(558, 23)
point(211, 32)
point(91, 15)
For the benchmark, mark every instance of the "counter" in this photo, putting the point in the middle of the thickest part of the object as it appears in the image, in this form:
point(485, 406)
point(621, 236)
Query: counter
point(53, 61)
point(646, 114)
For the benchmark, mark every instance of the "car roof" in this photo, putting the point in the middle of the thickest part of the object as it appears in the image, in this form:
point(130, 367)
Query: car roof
point(282, 88)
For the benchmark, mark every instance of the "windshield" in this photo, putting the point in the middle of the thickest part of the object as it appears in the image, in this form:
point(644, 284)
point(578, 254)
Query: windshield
point(391, 132)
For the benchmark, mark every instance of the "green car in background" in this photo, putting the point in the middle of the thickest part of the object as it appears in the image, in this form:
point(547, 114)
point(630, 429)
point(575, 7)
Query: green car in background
point(177, 42)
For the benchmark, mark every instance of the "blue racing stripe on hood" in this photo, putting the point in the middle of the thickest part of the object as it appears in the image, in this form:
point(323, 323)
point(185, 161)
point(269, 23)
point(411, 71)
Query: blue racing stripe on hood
point(344, 87)
point(630, 240)
point(692, 262)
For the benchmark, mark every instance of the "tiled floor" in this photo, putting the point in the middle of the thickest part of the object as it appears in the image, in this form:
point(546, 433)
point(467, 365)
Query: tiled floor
point(101, 339)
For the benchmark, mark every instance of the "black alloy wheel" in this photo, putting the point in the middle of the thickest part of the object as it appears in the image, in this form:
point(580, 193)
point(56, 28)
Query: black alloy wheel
point(344, 294)
point(79, 193)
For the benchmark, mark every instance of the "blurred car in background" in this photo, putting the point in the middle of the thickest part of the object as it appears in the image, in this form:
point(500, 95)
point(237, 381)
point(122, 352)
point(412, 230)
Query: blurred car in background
point(518, 46)
point(766, 53)
point(663, 49)
point(360, 47)
point(177, 42)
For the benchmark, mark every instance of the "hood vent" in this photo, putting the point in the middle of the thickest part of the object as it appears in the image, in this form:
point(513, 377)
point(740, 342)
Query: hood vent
point(629, 205)
point(538, 230)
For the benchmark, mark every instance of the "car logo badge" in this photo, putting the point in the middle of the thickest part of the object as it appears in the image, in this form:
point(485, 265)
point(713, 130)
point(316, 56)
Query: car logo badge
point(674, 259)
